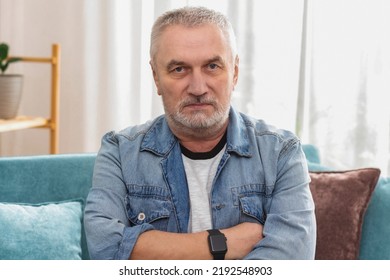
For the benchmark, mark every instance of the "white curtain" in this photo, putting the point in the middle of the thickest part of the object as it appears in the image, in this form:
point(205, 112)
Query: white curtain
point(346, 108)
point(304, 66)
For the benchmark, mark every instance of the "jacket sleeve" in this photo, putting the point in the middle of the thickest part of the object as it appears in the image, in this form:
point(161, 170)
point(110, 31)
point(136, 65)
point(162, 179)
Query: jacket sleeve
point(107, 228)
point(290, 227)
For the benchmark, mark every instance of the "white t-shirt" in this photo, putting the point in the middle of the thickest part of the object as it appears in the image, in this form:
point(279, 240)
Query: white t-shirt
point(200, 176)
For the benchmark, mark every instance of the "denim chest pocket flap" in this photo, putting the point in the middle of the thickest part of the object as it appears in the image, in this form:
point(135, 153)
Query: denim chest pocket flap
point(148, 204)
point(250, 199)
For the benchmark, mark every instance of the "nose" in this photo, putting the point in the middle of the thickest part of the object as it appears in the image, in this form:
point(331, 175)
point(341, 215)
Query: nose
point(197, 83)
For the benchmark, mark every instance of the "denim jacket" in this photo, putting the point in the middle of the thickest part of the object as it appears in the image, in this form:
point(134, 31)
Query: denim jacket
point(139, 184)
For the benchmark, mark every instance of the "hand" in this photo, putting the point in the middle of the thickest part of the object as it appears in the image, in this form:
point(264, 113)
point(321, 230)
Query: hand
point(241, 239)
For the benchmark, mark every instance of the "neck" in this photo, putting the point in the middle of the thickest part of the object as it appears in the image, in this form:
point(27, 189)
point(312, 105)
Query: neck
point(201, 142)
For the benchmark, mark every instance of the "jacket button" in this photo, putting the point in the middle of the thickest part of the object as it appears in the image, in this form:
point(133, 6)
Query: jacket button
point(220, 206)
point(141, 216)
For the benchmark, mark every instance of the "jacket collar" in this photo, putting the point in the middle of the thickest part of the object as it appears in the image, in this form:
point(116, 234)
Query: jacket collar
point(160, 140)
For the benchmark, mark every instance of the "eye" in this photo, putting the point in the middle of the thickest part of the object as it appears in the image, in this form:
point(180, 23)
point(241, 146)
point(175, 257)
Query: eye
point(179, 69)
point(213, 66)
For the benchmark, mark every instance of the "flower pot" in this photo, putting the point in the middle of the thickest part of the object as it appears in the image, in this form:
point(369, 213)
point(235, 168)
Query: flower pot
point(10, 95)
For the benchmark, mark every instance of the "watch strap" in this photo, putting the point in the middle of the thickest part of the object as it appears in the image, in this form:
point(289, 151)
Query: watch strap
point(214, 232)
point(216, 255)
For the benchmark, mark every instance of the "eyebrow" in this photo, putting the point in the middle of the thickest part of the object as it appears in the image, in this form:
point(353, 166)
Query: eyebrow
point(216, 58)
point(174, 62)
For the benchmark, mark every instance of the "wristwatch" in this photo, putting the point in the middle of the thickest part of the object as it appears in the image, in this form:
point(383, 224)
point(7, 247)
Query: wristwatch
point(217, 244)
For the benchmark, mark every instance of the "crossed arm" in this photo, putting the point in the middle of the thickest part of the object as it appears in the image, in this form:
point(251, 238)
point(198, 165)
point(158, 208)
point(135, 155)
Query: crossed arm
point(156, 244)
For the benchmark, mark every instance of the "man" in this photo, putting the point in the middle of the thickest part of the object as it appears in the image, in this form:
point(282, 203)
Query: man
point(160, 187)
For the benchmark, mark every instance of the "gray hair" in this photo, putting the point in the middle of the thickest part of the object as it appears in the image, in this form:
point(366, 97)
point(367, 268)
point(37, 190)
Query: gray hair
point(192, 17)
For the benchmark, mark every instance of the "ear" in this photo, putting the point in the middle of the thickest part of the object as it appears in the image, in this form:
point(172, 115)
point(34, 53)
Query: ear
point(236, 70)
point(155, 76)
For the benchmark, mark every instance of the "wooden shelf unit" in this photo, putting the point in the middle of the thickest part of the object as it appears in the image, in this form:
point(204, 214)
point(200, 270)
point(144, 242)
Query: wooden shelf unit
point(52, 122)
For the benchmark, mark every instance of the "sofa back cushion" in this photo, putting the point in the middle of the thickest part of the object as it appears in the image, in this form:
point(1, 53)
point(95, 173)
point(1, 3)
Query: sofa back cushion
point(341, 199)
point(375, 243)
point(50, 231)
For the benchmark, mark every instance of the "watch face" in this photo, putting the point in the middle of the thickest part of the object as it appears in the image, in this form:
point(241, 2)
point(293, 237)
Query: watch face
point(218, 243)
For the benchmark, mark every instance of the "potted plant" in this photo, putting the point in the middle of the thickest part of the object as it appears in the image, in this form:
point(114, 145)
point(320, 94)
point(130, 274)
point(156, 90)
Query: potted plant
point(10, 86)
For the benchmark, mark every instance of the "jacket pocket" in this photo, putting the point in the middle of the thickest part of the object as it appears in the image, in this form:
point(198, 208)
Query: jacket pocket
point(249, 200)
point(148, 204)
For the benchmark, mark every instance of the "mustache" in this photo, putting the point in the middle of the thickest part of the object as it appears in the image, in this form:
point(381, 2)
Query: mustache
point(197, 100)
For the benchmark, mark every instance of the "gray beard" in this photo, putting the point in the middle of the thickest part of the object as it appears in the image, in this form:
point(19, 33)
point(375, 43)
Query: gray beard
point(198, 125)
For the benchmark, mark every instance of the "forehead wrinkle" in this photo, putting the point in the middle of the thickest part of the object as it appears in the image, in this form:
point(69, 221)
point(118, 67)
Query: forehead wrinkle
point(175, 45)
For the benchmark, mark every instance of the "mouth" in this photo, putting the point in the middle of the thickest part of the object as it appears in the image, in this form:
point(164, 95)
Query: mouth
point(198, 104)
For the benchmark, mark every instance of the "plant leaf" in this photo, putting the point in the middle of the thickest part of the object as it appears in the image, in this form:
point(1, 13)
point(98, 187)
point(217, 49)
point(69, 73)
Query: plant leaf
point(3, 51)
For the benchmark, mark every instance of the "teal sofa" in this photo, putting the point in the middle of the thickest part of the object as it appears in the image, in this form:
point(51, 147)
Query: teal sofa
point(46, 194)
point(30, 184)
